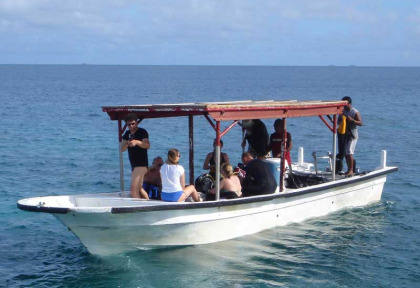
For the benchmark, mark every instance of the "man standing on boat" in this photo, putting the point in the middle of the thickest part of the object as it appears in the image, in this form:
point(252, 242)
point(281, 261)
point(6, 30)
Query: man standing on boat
point(136, 140)
point(257, 137)
point(277, 139)
point(353, 119)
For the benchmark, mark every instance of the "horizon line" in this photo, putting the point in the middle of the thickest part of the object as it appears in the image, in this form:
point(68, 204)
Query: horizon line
point(212, 65)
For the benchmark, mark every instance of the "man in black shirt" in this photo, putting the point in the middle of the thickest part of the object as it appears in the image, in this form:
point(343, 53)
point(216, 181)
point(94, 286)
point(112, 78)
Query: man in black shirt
point(259, 179)
point(136, 140)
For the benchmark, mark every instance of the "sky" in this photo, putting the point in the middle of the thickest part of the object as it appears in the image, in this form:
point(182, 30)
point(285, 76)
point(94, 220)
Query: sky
point(211, 32)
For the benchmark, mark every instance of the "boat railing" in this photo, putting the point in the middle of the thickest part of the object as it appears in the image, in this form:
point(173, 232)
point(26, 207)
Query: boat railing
point(318, 157)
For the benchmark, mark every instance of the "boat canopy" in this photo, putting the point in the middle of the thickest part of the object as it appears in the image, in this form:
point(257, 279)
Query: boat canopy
point(232, 110)
point(235, 111)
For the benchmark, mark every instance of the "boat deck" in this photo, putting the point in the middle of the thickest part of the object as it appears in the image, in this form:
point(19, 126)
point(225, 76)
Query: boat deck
point(104, 202)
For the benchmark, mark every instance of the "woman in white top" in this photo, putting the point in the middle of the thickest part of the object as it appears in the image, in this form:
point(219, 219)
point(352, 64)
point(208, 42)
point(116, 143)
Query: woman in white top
point(173, 180)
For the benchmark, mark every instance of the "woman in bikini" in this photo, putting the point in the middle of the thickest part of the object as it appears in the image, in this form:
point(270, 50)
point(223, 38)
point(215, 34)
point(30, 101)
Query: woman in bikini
point(210, 162)
point(230, 185)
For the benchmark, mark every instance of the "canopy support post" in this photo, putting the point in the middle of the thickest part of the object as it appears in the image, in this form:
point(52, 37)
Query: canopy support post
point(283, 153)
point(120, 131)
point(209, 120)
point(326, 123)
point(191, 143)
point(228, 128)
point(334, 154)
point(217, 150)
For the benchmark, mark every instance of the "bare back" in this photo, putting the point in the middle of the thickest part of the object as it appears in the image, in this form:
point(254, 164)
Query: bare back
point(231, 184)
point(153, 176)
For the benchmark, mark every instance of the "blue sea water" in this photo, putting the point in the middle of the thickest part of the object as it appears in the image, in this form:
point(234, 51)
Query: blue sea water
point(55, 140)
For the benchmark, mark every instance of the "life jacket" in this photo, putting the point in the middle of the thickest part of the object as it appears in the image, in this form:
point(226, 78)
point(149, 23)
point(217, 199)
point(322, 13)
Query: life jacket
point(342, 128)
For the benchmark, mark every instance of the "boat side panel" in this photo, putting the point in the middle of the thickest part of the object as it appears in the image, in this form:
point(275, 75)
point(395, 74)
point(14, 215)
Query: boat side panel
point(119, 204)
point(145, 230)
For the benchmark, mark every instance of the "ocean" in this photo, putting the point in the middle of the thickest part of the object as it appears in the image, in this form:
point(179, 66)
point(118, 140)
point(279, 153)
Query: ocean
point(55, 140)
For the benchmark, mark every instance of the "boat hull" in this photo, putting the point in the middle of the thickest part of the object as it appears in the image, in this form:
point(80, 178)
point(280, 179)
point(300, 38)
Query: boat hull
point(125, 230)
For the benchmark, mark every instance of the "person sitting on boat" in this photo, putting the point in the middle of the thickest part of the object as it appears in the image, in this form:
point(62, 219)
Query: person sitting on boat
point(276, 142)
point(240, 170)
point(353, 119)
point(246, 159)
point(210, 161)
point(257, 137)
point(152, 184)
point(173, 180)
point(136, 140)
point(259, 179)
point(230, 185)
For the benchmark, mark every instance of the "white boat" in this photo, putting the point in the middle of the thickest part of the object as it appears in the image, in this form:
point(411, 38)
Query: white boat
point(111, 223)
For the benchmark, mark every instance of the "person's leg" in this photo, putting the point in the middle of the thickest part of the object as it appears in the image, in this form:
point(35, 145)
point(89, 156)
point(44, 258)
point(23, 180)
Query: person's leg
point(341, 146)
point(190, 190)
point(137, 177)
point(350, 161)
point(350, 147)
point(347, 162)
point(143, 192)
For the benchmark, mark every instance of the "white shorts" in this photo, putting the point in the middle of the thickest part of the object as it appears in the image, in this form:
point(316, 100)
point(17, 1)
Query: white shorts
point(350, 146)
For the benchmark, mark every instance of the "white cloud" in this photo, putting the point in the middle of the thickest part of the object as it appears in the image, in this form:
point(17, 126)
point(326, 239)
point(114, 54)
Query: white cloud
point(218, 18)
point(19, 5)
point(200, 27)
point(44, 15)
point(415, 19)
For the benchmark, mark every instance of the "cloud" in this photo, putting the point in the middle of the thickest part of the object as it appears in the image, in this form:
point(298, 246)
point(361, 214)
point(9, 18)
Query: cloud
point(192, 18)
point(415, 19)
point(229, 30)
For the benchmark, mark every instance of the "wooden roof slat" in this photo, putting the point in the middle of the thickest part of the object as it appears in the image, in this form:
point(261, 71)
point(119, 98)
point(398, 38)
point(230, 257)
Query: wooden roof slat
point(231, 110)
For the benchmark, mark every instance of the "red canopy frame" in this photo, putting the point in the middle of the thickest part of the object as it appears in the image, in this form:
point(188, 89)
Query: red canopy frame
point(235, 111)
